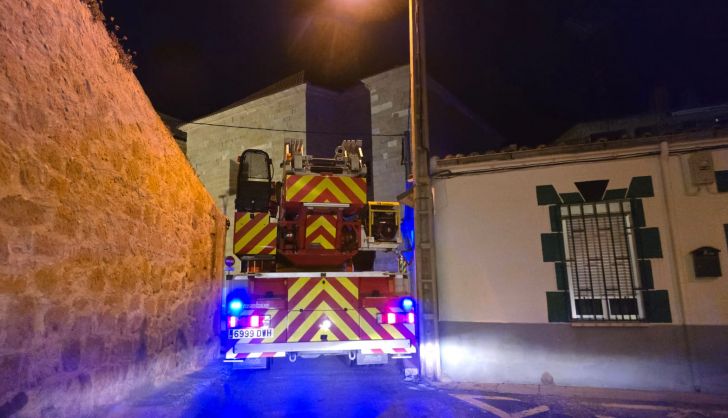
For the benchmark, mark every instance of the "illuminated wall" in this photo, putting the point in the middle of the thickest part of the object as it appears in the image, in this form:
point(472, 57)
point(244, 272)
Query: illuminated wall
point(495, 276)
point(110, 247)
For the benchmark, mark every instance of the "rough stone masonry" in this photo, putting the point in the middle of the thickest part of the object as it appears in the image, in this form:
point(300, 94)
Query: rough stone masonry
point(110, 247)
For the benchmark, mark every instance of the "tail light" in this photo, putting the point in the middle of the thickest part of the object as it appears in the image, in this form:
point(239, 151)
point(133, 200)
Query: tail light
point(391, 318)
point(252, 321)
point(232, 321)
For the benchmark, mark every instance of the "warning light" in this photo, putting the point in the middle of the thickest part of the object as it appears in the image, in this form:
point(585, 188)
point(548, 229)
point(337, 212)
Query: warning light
point(255, 321)
point(235, 306)
point(407, 304)
point(391, 318)
point(326, 325)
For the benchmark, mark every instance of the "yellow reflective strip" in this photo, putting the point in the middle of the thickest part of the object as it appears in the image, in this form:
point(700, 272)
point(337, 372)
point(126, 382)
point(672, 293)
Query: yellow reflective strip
point(325, 244)
point(329, 226)
point(265, 220)
point(265, 243)
point(242, 221)
point(320, 222)
point(316, 191)
point(331, 291)
point(296, 286)
point(368, 330)
point(303, 304)
point(245, 239)
point(393, 331)
point(278, 328)
point(307, 324)
point(354, 316)
point(297, 186)
point(336, 191)
point(343, 327)
point(355, 188)
point(350, 286)
point(238, 246)
point(289, 320)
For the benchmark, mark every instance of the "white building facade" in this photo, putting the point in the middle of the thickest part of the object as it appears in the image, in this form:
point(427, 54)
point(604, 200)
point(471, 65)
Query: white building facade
point(602, 264)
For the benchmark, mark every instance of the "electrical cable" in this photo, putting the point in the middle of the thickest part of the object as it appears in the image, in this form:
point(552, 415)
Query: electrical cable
point(349, 134)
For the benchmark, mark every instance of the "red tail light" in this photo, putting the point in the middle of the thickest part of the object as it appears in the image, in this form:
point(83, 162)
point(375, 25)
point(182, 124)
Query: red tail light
point(232, 321)
point(391, 318)
point(411, 317)
point(255, 321)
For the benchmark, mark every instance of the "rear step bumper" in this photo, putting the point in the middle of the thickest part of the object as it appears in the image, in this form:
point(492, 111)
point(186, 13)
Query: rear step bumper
point(243, 351)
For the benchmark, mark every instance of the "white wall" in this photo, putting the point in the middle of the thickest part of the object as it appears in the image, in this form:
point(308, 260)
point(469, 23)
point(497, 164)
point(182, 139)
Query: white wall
point(700, 216)
point(488, 228)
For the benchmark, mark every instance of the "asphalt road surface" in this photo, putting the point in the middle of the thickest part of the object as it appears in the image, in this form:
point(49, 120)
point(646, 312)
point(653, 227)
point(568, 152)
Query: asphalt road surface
point(328, 387)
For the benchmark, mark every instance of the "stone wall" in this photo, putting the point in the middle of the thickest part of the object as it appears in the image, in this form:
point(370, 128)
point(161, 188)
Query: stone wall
point(110, 247)
point(389, 98)
point(211, 149)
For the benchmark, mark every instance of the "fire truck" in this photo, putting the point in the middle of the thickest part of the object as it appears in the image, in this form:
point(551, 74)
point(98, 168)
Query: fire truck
point(306, 245)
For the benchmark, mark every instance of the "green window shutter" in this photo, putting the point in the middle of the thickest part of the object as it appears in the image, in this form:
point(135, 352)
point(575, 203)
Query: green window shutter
point(721, 180)
point(562, 277)
point(648, 243)
point(641, 187)
point(552, 247)
point(615, 194)
point(638, 213)
point(547, 195)
point(645, 267)
point(555, 216)
point(572, 198)
point(657, 306)
point(558, 306)
point(592, 191)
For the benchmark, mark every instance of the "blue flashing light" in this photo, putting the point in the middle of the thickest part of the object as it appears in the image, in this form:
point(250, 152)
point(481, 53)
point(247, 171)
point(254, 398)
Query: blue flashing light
point(407, 304)
point(407, 226)
point(235, 306)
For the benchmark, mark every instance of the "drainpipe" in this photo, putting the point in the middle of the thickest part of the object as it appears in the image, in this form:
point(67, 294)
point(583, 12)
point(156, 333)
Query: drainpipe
point(673, 264)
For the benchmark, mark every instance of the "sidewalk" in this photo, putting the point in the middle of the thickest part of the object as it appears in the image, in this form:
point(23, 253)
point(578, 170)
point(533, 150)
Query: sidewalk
point(590, 393)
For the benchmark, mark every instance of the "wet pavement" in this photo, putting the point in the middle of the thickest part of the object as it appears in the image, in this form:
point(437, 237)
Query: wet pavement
point(329, 387)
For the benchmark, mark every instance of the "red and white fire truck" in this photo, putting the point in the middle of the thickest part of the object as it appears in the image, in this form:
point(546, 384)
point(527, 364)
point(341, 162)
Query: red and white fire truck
point(302, 242)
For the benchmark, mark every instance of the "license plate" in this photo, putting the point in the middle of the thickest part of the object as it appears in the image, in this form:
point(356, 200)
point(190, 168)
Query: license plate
point(237, 334)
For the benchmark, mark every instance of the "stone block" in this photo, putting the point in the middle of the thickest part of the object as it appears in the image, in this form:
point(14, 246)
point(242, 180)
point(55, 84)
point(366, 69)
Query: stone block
point(71, 355)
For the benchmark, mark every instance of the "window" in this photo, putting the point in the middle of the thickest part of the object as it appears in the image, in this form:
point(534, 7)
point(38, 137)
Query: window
point(601, 262)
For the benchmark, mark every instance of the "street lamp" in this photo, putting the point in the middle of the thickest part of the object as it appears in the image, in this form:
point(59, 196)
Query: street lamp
point(425, 282)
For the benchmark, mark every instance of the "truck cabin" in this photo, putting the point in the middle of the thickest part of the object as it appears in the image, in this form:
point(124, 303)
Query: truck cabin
point(255, 182)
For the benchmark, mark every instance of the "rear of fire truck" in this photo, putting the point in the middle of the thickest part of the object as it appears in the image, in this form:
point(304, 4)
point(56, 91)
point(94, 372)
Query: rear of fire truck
point(300, 292)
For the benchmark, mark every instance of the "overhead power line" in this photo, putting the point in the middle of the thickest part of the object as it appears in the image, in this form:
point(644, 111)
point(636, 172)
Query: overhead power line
point(254, 128)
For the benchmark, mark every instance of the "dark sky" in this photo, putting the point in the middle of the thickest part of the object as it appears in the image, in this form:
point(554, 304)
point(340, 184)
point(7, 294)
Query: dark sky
point(530, 69)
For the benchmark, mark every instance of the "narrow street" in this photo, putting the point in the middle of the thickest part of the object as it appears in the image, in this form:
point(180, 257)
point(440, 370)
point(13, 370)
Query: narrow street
point(327, 387)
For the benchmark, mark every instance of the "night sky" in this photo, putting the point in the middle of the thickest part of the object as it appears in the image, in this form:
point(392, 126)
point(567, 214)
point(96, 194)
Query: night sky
point(530, 69)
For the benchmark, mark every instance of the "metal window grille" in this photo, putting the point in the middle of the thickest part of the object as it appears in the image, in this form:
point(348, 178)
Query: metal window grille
point(604, 282)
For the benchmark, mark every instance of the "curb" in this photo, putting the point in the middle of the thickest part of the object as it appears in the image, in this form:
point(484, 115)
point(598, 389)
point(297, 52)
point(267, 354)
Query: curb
point(590, 392)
